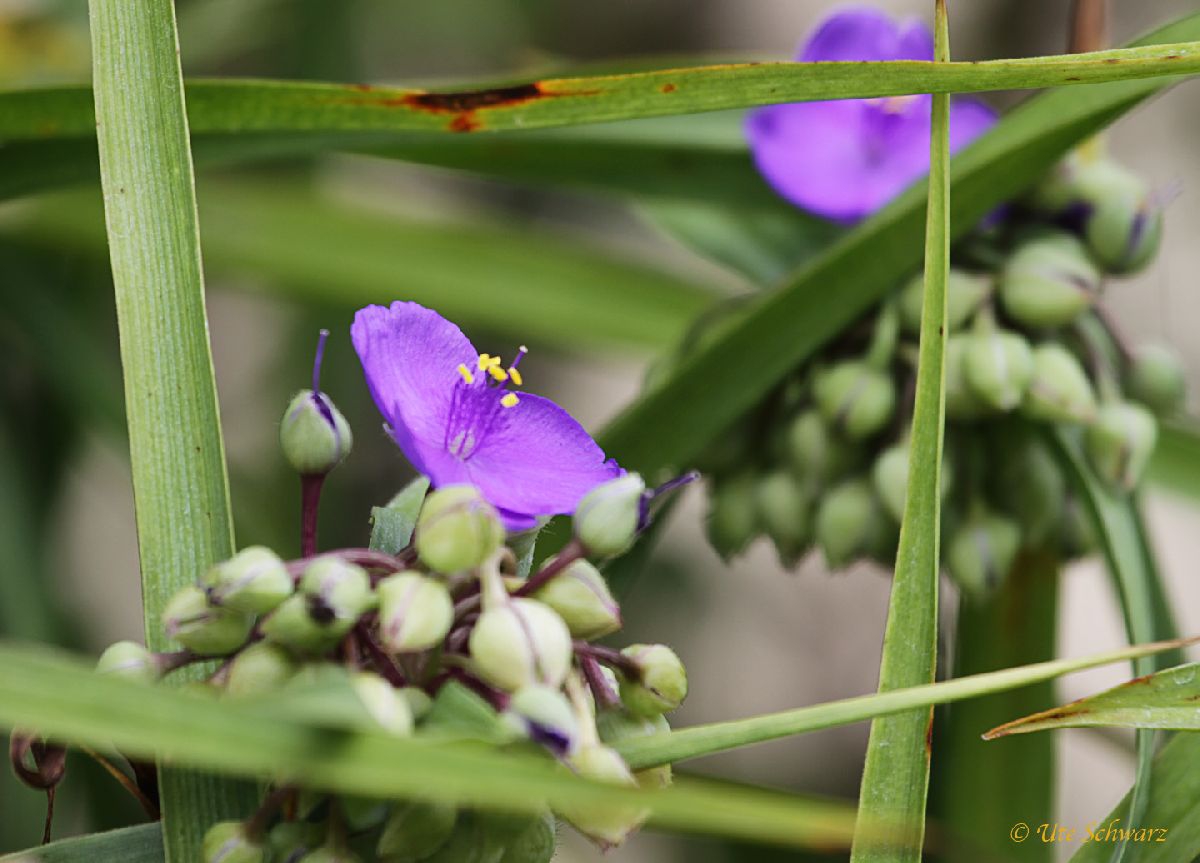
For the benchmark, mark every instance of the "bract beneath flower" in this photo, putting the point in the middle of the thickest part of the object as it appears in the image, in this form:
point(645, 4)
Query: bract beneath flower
point(845, 159)
point(454, 414)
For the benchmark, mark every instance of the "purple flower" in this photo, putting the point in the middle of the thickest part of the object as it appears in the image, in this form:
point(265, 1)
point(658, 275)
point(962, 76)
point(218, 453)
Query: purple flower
point(845, 159)
point(451, 411)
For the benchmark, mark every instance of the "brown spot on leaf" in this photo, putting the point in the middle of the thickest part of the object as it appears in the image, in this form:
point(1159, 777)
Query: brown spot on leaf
point(1111, 60)
point(668, 88)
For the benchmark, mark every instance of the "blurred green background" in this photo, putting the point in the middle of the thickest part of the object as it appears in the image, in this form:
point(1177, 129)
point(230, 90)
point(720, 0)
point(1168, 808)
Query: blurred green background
point(755, 639)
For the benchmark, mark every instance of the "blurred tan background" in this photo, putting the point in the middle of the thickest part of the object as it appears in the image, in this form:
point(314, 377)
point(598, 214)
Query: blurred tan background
point(755, 638)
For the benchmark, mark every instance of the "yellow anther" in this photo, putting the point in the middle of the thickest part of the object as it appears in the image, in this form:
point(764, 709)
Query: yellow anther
point(509, 400)
point(498, 373)
point(494, 362)
point(466, 373)
point(485, 360)
point(516, 376)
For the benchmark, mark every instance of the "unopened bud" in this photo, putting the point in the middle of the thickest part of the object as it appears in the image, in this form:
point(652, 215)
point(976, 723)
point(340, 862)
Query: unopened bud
point(855, 398)
point(1031, 485)
point(1120, 442)
point(129, 660)
point(203, 628)
point(1156, 379)
point(261, 667)
point(303, 626)
point(457, 529)
point(617, 725)
point(965, 292)
point(338, 592)
point(290, 840)
point(660, 684)
point(415, 612)
point(961, 401)
point(227, 842)
point(1059, 390)
point(1048, 281)
point(607, 825)
point(981, 552)
point(415, 831)
point(999, 365)
point(816, 455)
point(732, 515)
point(254, 580)
point(1122, 221)
point(525, 840)
point(609, 516)
point(519, 642)
point(387, 707)
point(785, 510)
point(580, 596)
point(330, 854)
point(544, 715)
point(314, 435)
point(850, 524)
point(419, 702)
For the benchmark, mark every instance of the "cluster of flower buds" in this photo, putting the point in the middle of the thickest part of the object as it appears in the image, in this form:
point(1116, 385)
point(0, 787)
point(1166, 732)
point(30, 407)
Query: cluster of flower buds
point(823, 462)
point(452, 620)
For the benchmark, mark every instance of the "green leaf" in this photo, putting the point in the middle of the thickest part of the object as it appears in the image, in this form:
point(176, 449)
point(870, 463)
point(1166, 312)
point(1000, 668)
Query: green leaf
point(392, 525)
point(733, 372)
point(700, 740)
point(177, 454)
point(1173, 811)
point(1143, 600)
point(1176, 462)
point(895, 778)
point(1166, 699)
point(309, 248)
point(457, 713)
point(63, 699)
point(980, 791)
point(140, 844)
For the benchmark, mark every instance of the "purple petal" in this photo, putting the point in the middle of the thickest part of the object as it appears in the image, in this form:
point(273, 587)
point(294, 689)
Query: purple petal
point(969, 118)
point(410, 355)
point(866, 33)
point(536, 459)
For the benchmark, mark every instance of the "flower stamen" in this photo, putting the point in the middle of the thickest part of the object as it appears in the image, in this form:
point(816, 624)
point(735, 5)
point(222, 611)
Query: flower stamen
point(509, 400)
point(467, 377)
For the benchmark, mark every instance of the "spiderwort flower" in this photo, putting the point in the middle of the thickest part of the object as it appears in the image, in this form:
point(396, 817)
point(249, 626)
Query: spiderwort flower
point(452, 412)
point(845, 159)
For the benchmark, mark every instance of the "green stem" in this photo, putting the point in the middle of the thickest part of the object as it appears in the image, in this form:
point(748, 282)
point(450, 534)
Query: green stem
point(176, 450)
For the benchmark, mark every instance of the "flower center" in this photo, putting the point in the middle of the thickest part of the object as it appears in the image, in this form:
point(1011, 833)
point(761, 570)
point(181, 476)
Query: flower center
point(479, 398)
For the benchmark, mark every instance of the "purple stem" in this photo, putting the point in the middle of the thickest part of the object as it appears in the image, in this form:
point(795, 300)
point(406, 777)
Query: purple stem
point(610, 657)
point(310, 504)
point(379, 657)
point(606, 699)
point(571, 552)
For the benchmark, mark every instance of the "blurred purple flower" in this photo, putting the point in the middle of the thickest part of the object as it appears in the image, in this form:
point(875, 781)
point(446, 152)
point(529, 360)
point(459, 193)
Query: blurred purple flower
point(845, 159)
point(450, 410)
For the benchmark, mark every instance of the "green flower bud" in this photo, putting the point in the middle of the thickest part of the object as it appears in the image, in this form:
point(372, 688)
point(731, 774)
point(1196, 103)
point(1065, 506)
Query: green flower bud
point(785, 510)
point(525, 840)
point(580, 596)
point(254, 580)
point(961, 401)
point(1122, 223)
point(1156, 379)
point(129, 660)
point(293, 626)
point(338, 592)
point(289, 840)
point(520, 642)
point(815, 454)
point(415, 612)
point(617, 725)
point(415, 831)
point(384, 704)
point(608, 517)
point(198, 626)
point(661, 683)
point(890, 479)
point(226, 842)
point(419, 703)
point(457, 529)
point(605, 825)
point(999, 365)
point(981, 552)
point(330, 854)
point(261, 667)
point(314, 435)
point(1059, 390)
point(732, 515)
point(851, 525)
point(1030, 486)
point(544, 715)
point(1048, 281)
point(965, 292)
point(1120, 442)
point(855, 398)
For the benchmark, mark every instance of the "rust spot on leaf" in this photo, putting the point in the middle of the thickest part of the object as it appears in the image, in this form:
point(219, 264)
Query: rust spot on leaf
point(1071, 78)
point(1111, 60)
point(1145, 678)
point(929, 737)
point(668, 88)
